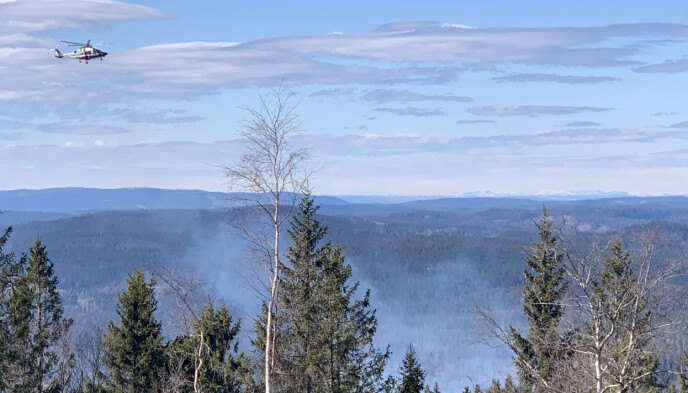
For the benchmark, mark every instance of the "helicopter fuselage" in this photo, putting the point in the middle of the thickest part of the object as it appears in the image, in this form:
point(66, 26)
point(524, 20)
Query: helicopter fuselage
point(85, 53)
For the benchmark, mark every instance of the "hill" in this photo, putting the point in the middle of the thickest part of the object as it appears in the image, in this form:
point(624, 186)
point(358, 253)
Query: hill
point(429, 263)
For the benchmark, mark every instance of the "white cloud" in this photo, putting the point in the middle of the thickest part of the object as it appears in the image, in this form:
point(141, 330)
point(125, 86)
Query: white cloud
point(398, 53)
point(532, 110)
point(37, 15)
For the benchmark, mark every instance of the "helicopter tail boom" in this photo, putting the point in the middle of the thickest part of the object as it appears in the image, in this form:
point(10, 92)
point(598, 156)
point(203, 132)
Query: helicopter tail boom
point(58, 54)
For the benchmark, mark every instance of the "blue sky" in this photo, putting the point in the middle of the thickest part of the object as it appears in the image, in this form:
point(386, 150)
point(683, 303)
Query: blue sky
point(403, 98)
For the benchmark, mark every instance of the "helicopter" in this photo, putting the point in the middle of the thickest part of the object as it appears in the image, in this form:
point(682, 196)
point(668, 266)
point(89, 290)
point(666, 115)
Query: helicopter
point(85, 53)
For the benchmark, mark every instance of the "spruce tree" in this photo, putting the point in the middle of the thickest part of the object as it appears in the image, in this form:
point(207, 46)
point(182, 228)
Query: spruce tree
point(542, 352)
point(621, 313)
point(509, 385)
point(495, 387)
point(33, 326)
point(133, 353)
point(208, 355)
point(299, 302)
point(324, 332)
point(411, 373)
point(7, 268)
point(47, 326)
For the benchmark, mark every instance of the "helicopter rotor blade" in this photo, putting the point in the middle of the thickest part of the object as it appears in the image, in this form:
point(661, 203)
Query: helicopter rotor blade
point(70, 43)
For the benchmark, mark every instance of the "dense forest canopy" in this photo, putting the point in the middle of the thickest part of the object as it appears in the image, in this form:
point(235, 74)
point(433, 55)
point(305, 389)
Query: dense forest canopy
point(418, 263)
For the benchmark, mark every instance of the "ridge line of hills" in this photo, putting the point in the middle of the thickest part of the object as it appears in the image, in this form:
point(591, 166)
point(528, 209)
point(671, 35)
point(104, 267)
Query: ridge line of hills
point(72, 200)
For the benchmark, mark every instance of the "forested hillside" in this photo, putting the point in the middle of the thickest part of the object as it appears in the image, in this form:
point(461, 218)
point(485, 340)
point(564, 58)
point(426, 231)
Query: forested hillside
point(430, 265)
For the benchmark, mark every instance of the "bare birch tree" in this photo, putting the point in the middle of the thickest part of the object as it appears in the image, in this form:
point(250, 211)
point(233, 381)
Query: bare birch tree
point(274, 172)
point(623, 301)
point(619, 308)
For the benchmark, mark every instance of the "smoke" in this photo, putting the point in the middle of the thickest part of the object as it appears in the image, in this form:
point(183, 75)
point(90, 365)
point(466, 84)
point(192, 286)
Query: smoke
point(442, 324)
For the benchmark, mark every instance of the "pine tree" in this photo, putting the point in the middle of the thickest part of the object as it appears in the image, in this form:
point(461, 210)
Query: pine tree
point(352, 363)
point(411, 373)
point(7, 269)
point(324, 333)
point(33, 330)
point(509, 385)
point(618, 330)
point(542, 352)
point(389, 385)
point(495, 387)
point(208, 356)
point(48, 325)
point(133, 352)
point(299, 303)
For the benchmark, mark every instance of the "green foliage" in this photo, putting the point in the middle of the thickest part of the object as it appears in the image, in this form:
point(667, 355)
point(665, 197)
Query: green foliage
point(32, 324)
point(509, 385)
point(541, 353)
point(495, 387)
point(210, 350)
point(8, 267)
point(324, 334)
point(435, 389)
point(411, 373)
point(621, 311)
point(133, 352)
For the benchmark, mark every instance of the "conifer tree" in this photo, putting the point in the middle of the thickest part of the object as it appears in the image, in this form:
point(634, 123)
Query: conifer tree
point(542, 352)
point(299, 324)
point(48, 325)
point(133, 351)
point(495, 387)
point(509, 385)
point(208, 356)
point(324, 333)
point(618, 333)
point(34, 326)
point(411, 373)
point(389, 385)
point(7, 268)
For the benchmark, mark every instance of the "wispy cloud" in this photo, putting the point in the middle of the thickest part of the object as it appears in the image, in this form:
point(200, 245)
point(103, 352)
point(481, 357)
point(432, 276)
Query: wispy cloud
point(385, 96)
point(532, 110)
point(411, 111)
point(572, 79)
point(81, 129)
point(582, 124)
point(505, 144)
point(408, 53)
point(668, 67)
point(154, 116)
point(37, 15)
point(333, 93)
point(683, 124)
point(10, 136)
point(474, 121)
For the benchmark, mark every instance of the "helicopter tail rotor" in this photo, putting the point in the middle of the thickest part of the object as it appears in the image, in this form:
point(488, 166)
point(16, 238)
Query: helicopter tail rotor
point(58, 54)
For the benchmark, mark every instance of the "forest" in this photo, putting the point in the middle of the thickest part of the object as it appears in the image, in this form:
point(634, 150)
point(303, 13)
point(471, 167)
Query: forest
point(561, 296)
point(269, 293)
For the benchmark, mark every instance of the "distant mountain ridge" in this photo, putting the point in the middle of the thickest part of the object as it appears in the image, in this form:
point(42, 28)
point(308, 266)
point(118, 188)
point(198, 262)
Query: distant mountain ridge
point(79, 200)
point(74, 199)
